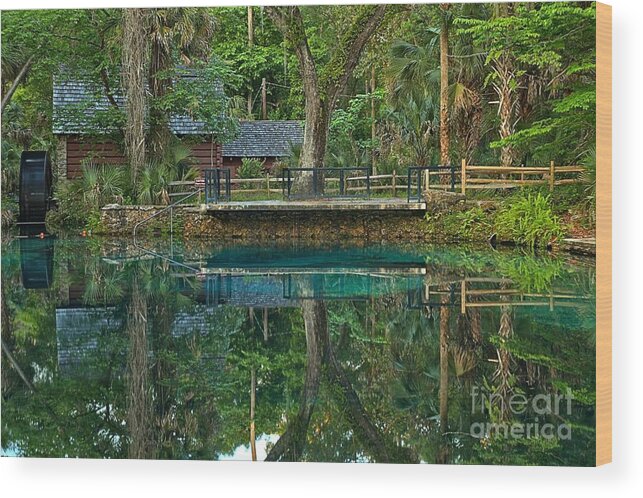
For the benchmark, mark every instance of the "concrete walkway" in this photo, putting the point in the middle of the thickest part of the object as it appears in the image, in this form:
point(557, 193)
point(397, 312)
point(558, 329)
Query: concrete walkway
point(389, 204)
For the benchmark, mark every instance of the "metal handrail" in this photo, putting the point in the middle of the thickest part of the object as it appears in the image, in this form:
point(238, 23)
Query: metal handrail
point(416, 171)
point(287, 180)
point(154, 253)
point(213, 182)
point(170, 207)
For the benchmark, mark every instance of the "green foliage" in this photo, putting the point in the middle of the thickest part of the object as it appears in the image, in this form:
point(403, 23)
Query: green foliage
point(473, 221)
point(416, 119)
point(470, 225)
point(529, 220)
point(250, 168)
point(531, 274)
point(79, 201)
point(350, 142)
point(154, 183)
point(550, 50)
point(198, 92)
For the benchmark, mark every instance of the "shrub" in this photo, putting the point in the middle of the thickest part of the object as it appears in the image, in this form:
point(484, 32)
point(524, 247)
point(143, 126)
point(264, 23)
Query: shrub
point(155, 180)
point(529, 220)
point(79, 200)
point(473, 222)
point(71, 211)
point(250, 168)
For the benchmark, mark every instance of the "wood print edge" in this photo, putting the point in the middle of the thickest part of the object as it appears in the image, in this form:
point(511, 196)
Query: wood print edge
point(603, 234)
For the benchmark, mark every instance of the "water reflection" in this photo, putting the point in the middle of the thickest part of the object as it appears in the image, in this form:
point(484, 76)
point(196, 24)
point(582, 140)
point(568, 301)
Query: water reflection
point(375, 353)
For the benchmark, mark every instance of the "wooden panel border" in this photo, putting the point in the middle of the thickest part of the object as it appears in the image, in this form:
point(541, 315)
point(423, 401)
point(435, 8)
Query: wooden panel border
point(603, 233)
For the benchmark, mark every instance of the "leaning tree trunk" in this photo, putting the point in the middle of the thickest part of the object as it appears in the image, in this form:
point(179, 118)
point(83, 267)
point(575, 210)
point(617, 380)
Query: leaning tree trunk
point(16, 82)
point(133, 74)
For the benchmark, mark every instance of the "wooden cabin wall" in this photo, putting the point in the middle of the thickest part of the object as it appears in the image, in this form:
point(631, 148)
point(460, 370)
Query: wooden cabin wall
point(80, 150)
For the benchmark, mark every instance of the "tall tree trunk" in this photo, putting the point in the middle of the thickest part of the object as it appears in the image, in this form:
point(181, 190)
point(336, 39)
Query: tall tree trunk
point(373, 124)
point(507, 105)
point(321, 96)
point(251, 42)
point(444, 89)
point(133, 74)
point(160, 134)
point(507, 94)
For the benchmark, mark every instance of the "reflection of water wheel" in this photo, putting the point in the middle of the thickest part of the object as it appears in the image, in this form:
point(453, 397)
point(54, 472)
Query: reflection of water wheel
point(35, 186)
point(37, 262)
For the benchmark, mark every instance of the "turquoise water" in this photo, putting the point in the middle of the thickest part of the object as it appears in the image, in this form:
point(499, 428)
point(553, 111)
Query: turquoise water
point(285, 352)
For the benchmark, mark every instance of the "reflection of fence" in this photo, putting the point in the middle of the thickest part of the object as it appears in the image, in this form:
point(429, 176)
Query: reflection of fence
point(504, 295)
point(488, 293)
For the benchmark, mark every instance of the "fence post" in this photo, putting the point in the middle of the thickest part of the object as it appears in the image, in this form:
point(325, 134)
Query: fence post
point(551, 176)
point(463, 181)
point(268, 184)
point(394, 183)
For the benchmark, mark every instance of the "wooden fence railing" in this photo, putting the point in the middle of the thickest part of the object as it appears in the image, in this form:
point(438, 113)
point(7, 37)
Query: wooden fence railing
point(468, 177)
point(502, 177)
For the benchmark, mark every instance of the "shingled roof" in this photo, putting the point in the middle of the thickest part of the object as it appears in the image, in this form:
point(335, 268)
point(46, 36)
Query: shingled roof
point(81, 107)
point(265, 139)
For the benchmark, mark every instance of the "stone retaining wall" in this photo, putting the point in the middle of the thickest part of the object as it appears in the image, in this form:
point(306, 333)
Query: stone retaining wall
point(248, 225)
point(323, 225)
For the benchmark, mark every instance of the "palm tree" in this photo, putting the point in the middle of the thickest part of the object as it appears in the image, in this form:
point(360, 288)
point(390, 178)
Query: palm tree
point(416, 121)
point(414, 71)
point(444, 85)
point(133, 65)
point(187, 30)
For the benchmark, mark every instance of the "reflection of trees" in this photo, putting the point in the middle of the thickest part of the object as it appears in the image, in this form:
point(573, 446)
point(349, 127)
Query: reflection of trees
point(7, 333)
point(502, 376)
point(443, 452)
point(321, 358)
point(290, 445)
point(139, 396)
point(364, 382)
